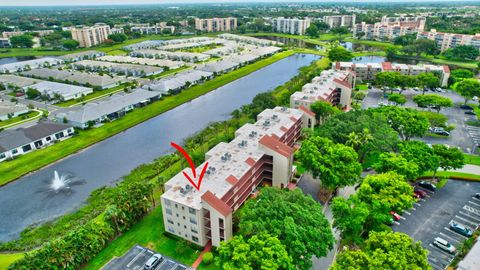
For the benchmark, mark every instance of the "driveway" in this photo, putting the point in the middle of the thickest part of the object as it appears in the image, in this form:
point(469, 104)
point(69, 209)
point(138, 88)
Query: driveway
point(465, 137)
point(430, 218)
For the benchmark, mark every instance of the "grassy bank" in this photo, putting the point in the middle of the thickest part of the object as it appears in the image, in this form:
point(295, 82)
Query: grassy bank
point(472, 159)
point(455, 175)
point(8, 258)
point(14, 169)
point(20, 118)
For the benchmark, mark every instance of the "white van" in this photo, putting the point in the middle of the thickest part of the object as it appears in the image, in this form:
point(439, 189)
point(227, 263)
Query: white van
point(444, 244)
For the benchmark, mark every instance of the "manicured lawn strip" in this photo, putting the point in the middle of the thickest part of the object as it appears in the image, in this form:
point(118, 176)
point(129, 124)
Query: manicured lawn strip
point(8, 258)
point(472, 159)
point(361, 87)
point(117, 52)
point(148, 233)
point(304, 38)
point(372, 43)
point(14, 169)
point(23, 117)
point(168, 72)
point(367, 53)
point(455, 175)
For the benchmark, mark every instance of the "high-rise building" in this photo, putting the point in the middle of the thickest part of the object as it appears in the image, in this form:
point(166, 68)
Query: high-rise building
point(389, 28)
point(261, 152)
point(91, 35)
point(450, 40)
point(340, 20)
point(216, 24)
point(291, 26)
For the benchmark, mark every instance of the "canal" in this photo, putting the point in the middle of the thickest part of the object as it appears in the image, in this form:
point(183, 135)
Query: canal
point(24, 202)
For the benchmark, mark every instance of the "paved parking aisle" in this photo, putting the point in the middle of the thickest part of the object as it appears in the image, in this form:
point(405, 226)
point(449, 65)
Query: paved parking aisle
point(137, 256)
point(430, 218)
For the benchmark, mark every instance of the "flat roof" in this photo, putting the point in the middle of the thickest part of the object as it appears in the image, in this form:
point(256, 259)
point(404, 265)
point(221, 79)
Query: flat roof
point(7, 107)
point(17, 80)
point(227, 160)
point(62, 89)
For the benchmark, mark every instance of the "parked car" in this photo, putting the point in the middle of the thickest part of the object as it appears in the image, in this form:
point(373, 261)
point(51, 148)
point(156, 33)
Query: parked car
point(477, 195)
point(381, 104)
point(470, 113)
point(395, 216)
point(439, 131)
point(427, 185)
point(461, 229)
point(444, 245)
point(153, 261)
point(466, 107)
point(422, 194)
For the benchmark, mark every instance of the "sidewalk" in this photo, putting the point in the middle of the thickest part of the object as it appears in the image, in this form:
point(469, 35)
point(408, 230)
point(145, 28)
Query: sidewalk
point(198, 261)
point(468, 168)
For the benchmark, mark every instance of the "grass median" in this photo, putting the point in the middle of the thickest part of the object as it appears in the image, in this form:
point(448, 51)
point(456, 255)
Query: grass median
point(14, 169)
point(8, 258)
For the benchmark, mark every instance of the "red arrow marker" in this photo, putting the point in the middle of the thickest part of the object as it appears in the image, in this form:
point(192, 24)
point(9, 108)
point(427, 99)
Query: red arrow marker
point(192, 166)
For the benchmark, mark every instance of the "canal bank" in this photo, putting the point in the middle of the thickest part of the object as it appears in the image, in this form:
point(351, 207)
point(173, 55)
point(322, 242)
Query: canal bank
point(23, 165)
point(105, 162)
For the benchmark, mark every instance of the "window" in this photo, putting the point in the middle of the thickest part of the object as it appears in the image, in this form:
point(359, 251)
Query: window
point(59, 135)
point(48, 138)
point(14, 151)
point(183, 208)
point(191, 211)
point(193, 220)
point(2, 156)
point(167, 202)
point(194, 238)
point(220, 222)
point(169, 221)
point(170, 229)
point(183, 217)
point(184, 226)
point(26, 148)
point(168, 211)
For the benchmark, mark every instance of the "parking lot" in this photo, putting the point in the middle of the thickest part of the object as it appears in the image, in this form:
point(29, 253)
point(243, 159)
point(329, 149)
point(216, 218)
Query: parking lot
point(463, 136)
point(430, 217)
point(137, 256)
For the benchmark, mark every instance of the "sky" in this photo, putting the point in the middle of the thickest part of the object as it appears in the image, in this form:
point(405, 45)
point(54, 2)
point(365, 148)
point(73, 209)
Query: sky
point(117, 2)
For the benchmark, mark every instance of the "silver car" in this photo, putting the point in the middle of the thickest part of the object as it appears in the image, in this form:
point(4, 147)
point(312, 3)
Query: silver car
point(444, 245)
point(153, 262)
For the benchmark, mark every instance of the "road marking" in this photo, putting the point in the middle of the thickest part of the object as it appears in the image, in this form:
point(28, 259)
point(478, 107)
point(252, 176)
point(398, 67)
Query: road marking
point(418, 204)
point(396, 223)
point(471, 209)
point(136, 258)
point(434, 265)
point(402, 217)
point(474, 203)
point(475, 199)
point(451, 238)
point(469, 216)
point(413, 208)
point(408, 213)
point(471, 224)
point(443, 254)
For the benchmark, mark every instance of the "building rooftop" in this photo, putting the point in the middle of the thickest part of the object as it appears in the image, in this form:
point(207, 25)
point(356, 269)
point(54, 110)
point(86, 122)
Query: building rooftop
point(97, 109)
point(126, 67)
point(80, 55)
point(7, 107)
point(321, 86)
point(228, 162)
point(17, 80)
point(142, 61)
point(51, 88)
point(35, 63)
point(11, 139)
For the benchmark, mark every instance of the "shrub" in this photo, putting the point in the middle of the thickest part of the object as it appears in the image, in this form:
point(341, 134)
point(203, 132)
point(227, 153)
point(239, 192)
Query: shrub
point(207, 258)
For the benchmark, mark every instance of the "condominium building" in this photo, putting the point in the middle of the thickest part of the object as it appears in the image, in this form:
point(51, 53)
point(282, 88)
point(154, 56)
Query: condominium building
point(91, 35)
point(260, 153)
point(5, 43)
point(147, 29)
point(340, 20)
point(449, 40)
point(40, 33)
point(390, 28)
point(291, 26)
point(331, 86)
point(216, 24)
point(368, 71)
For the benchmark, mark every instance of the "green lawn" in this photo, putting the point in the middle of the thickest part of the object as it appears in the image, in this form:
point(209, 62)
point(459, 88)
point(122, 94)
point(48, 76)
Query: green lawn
point(22, 165)
point(361, 87)
point(90, 97)
point(23, 117)
point(456, 175)
point(117, 52)
point(372, 43)
point(8, 258)
point(148, 233)
point(472, 159)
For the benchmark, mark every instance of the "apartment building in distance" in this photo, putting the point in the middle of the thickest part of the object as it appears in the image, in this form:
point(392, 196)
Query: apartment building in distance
point(331, 86)
point(216, 24)
point(368, 71)
point(389, 28)
point(340, 20)
point(158, 28)
point(5, 43)
point(88, 36)
point(40, 33)
point(292, 26)
point(260, 153)
point(449, 40)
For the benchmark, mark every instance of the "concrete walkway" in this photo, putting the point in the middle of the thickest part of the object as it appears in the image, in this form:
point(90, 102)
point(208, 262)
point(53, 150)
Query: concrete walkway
point(468, 168)
point(198, 261)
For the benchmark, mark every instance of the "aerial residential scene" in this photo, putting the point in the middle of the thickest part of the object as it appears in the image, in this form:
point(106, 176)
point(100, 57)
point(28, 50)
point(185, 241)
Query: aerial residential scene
point(239, 134)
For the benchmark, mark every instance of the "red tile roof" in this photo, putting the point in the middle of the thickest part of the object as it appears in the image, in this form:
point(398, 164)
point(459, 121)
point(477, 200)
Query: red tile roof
point(216, 203)
point(344, 83)
point(232, 179)
point(307, 111)
point(250, 161)
point(276, 145)
point(387, 66)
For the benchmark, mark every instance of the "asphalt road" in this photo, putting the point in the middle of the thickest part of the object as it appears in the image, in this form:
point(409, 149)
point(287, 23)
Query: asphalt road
point(431, 217)
point(465, 137)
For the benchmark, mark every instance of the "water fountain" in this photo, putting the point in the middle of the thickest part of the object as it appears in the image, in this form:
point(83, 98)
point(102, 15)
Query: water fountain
point(61, 183)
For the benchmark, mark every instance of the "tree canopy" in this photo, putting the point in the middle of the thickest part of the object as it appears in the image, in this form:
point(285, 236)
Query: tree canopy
point(22, 41)
point(294, 218)
point(419, 153)
point(432, 101)
point(262, 251)
point(391, 162)
point(398, 99)
point(323, 110)
point(407, 122)
point(70, 44)
point(450, 158)
point(384, 250)
point(468, 89)
point(335, 164)
point(339, 53)
point(118, 37)
point(458, 75)
point(464, 52)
